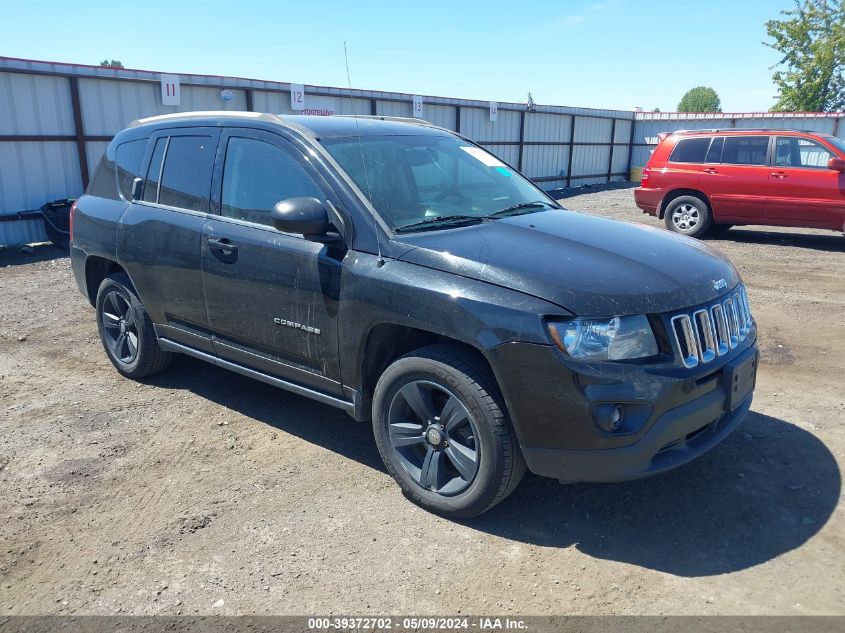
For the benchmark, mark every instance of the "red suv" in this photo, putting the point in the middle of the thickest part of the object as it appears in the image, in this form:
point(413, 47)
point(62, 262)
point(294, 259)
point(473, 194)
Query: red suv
point(713, 179)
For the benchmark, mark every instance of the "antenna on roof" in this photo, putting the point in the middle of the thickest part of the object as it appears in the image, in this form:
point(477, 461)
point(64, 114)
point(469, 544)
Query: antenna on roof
point(380, 261)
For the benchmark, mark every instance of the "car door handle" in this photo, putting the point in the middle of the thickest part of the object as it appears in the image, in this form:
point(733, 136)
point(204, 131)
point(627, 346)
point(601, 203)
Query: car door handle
point(710, 170)
point(222, 245)
point(780, 175)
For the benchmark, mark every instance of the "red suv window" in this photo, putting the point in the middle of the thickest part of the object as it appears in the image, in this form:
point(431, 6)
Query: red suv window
point(791, 151)
point(714, 154)
point(745, 150)
point(690, 150)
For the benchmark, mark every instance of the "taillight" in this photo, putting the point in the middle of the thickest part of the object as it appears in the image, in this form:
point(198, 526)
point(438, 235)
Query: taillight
point(70, 219)
point(646, 174)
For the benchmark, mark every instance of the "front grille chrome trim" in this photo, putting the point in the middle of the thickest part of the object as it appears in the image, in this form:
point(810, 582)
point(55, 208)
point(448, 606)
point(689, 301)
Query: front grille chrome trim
point(712, 331)
point(686, 340)
point(706, 335)
point(733, 323)
point(721, 327)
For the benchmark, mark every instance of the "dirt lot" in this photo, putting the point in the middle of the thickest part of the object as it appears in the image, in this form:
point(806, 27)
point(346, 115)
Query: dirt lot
point(200, 491)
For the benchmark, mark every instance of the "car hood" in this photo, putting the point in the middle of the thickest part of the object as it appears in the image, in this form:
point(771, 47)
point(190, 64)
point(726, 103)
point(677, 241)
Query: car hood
point(586, 264)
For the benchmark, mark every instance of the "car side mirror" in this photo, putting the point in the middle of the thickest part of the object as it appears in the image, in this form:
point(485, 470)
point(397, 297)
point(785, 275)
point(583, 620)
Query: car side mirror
point(307, 216)
point(135, 192)
point(836, 164)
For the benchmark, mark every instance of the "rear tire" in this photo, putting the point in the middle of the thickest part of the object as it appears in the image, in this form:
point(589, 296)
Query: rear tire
point(126, 330)
point(688, 215)
point(443, 434)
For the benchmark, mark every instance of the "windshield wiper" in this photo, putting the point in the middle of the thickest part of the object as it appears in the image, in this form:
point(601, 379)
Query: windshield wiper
point(440, 220)
point(522, 207)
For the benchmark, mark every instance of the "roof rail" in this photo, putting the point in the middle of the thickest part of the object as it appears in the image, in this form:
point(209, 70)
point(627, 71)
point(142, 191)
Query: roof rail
point(744, 129)
point(176, 116)
point(395, 119)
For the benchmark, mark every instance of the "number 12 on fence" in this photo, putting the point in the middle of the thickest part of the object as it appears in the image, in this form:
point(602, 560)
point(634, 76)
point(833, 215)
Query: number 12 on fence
point(297, 97)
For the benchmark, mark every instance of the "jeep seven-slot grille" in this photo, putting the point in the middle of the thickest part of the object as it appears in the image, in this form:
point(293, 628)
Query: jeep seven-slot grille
point(712, 331)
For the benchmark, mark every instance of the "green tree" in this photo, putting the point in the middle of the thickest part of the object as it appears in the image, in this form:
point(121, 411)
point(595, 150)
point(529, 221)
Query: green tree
point(700, 99)
point(111, 63)
point(811, 40)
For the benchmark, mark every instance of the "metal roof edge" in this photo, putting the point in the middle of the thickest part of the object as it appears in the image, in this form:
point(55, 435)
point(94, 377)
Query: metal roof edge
point(243, 83)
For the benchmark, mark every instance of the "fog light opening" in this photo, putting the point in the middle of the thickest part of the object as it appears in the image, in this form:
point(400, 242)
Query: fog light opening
point(610, 417)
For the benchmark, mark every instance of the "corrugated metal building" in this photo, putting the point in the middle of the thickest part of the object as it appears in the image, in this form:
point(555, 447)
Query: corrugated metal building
point(56, 120)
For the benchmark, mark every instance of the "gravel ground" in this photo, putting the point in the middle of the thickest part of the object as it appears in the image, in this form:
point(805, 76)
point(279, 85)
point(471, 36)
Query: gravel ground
point(200, 491)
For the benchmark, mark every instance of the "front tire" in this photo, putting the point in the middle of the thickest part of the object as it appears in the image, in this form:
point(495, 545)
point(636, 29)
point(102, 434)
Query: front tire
point(688, 215)
point(443, 434)
point(126, 330)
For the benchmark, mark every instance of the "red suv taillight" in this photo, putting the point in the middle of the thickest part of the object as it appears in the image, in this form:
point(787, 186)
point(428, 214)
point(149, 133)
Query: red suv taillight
point(646, 174)
point(70, 219)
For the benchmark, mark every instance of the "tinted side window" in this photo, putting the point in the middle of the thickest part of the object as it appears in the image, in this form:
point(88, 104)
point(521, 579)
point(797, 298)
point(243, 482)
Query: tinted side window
point(800, 152)
point(257, 175)
point(154, 171)
point(127, 158)
point(102, 184)
point(690, 150)
point(714, 154)
point(745, 150)
point(186, 177)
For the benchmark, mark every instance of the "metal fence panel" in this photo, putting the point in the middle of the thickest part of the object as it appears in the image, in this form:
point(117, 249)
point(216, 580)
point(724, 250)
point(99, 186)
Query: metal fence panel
point(544, 127)
point(394, 108)
point(589, 160)
point(476, 124)
point(541, 161)
point(34, 104)
point(32, 173)
point(108, 106)
point(328, 105)
point(506, 153)
point(444, 116)
point(95, 150)
point(622, 133)
point(592, 130)
point(619, 165)
point(640, 155)
point(275, 102)
point(814, 124)
point(22, 232)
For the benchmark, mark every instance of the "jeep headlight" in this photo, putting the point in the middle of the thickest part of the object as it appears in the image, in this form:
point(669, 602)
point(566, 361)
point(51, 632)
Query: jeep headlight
point(617, 338)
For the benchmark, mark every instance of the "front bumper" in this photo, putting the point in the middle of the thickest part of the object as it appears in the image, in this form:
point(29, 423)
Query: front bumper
point(678, 437)
point(687, 413)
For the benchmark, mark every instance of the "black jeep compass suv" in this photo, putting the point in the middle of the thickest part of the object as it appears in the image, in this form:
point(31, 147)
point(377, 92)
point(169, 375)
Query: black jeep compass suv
point(402, 273)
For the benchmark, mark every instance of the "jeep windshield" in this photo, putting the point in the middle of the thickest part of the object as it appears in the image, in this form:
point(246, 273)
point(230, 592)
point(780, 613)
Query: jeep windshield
point(429, 182)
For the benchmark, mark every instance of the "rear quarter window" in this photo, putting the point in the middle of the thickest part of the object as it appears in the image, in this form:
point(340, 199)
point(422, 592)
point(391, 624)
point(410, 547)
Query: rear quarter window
point(127, 159)
point(690, 150)
point(103, 184)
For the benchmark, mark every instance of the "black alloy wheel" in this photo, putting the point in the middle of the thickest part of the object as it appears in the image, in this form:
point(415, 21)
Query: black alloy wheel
point(120, 328)
point(434, 437)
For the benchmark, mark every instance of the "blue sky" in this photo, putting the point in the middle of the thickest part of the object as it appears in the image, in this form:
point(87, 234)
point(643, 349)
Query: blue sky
point(601, 54)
